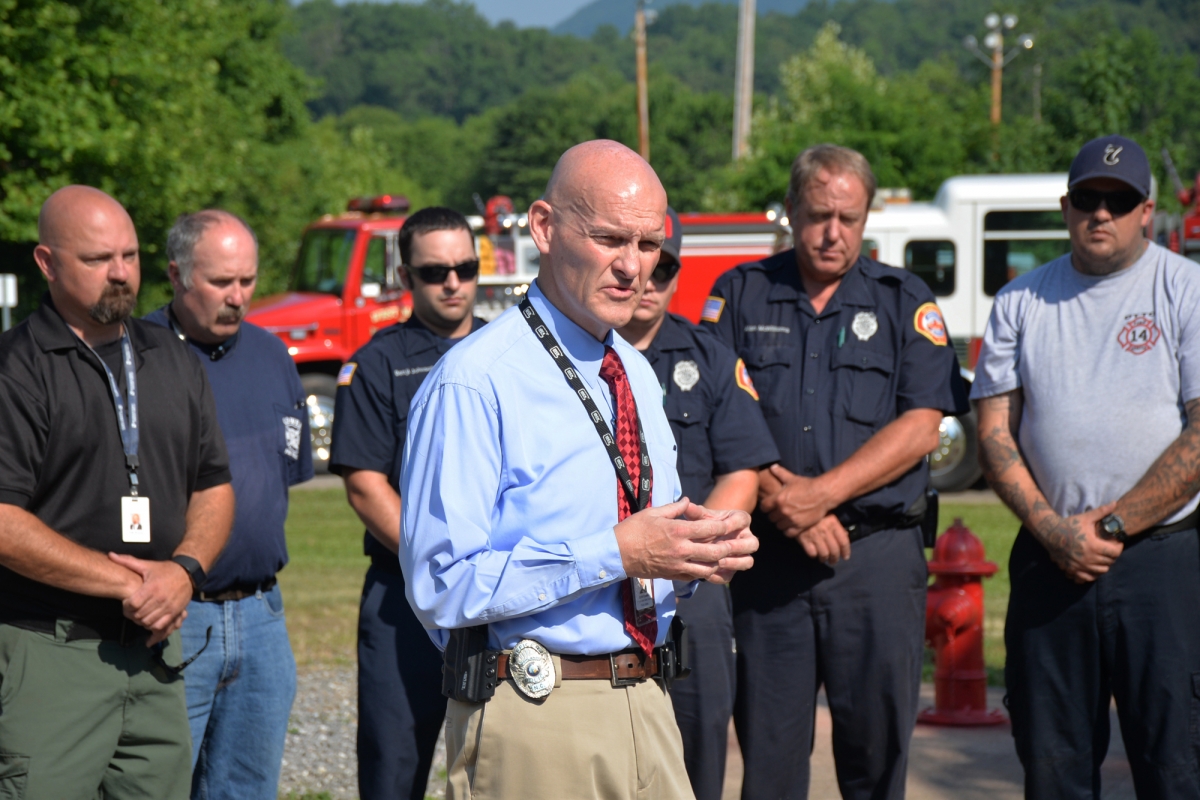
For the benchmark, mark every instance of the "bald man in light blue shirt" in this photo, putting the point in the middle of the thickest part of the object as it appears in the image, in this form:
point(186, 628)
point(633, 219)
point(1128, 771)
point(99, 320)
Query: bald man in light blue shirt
point(511, 514)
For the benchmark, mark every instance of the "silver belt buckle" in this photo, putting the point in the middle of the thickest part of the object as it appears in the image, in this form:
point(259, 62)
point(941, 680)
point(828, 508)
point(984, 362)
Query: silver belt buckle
point(531, 669)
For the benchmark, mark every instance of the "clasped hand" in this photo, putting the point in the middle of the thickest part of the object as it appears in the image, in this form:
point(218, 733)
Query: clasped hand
point(800, 508)
point(158, 601)
point(685, 541)
point(1075, 545)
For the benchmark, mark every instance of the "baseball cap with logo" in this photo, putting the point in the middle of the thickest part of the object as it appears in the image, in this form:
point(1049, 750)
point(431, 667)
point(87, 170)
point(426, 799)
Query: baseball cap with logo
point(1112, 157)
point(668, 261)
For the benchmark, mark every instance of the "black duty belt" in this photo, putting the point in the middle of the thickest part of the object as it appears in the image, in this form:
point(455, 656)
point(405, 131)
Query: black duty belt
point(123, 631)
point(238, 591)
point(389, 564)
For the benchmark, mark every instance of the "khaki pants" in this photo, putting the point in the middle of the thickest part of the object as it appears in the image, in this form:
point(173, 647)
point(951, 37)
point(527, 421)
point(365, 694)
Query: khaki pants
point(87, 719)
point(585, 740)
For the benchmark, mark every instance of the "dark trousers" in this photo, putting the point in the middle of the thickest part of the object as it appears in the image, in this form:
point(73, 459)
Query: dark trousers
point(1132, 635)
point(858, 628)
point(704, 700)
point(400, 702)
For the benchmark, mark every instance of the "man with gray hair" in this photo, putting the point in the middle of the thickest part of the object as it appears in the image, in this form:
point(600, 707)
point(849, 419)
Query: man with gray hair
point(853, 368)
point(241, 685)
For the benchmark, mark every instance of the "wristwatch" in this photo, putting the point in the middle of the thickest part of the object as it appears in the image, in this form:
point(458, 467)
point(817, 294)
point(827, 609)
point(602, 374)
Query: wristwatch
point(1112, 528)
point(192, 567)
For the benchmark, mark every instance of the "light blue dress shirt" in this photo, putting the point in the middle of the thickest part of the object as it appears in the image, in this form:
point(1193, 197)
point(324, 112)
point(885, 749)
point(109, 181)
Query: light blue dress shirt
point(509, 495)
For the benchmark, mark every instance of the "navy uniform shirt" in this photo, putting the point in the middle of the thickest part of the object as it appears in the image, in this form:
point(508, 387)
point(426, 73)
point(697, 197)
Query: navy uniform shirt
point(262, 412)
point(711, 405)
point(827, 382)
point(375, 387)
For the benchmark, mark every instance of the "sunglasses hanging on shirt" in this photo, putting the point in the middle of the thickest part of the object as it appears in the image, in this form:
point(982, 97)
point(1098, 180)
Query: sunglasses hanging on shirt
point(1118, 203)
point(437, 273)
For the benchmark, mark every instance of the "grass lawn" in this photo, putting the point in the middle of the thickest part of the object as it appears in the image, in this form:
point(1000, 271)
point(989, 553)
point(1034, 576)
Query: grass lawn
point(323, 582)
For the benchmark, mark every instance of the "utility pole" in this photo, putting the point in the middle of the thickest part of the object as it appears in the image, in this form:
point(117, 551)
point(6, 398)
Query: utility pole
point(998, 60)
point(643, 92)
point(1037, 93)
point(743, 81)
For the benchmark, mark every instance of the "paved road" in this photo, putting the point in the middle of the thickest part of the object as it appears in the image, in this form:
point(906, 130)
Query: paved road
point(947, 763)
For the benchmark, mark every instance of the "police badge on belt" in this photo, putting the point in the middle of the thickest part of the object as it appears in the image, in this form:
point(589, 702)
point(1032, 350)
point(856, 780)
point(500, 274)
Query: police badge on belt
point(532, 669)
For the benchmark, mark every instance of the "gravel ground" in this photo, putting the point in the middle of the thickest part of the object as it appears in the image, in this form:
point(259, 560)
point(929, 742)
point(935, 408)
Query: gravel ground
point(320, 753)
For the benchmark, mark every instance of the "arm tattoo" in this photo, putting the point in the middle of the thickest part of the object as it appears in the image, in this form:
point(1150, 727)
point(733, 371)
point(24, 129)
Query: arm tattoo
point(1171, 481)
point(1009, 477)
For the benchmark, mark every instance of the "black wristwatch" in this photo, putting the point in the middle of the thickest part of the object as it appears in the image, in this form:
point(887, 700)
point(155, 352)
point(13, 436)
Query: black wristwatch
point(192, 567)
point(1112, 528)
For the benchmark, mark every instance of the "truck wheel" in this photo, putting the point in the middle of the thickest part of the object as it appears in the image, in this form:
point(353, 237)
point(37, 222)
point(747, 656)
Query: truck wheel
point(954, 465)
point(321, 390)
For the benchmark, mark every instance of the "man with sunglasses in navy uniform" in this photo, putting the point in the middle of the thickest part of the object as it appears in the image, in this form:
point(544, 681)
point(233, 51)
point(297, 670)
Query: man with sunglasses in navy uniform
point(400, 702)
point(1089, 427)
point(723, 440)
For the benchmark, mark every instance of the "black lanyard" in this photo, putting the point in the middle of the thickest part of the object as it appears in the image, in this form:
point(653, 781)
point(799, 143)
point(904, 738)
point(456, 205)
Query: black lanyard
point(637, 499)
point(127, 426)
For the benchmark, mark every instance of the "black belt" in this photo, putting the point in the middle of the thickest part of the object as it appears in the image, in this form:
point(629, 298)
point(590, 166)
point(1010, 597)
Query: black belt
point(861, 530)
point(123, 631)
point(238, 591)
point(1189, 522)
point(389, 564)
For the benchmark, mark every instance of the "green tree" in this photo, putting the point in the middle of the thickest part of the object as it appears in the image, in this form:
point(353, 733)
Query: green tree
point(169, 105)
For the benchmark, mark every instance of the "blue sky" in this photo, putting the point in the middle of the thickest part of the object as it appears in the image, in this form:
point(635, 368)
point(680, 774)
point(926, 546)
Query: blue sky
point(530, 13)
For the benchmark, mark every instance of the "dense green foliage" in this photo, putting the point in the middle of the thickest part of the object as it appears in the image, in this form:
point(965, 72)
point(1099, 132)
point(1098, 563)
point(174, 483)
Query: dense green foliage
point(282, 113)
point(169, 106)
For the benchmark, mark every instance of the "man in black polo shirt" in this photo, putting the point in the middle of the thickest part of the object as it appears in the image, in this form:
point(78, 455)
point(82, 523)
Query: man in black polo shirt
point(400, 702)
point(723, 439)
point(241, 687)
point(102, 417)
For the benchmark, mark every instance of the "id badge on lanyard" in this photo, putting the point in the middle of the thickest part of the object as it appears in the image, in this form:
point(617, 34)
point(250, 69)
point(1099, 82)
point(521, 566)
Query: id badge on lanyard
point(135, 509)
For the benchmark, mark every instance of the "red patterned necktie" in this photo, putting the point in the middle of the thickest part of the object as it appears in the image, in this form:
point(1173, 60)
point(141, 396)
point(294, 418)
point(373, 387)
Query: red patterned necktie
point(613, 373)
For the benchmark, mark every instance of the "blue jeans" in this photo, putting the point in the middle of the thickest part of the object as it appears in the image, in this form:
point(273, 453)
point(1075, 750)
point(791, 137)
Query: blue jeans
point(239, 695)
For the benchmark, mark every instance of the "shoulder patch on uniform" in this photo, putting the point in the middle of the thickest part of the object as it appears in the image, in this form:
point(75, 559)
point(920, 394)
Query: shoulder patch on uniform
point(929, 323)
point(713, 307)
point(346, 373)
point(742, 376)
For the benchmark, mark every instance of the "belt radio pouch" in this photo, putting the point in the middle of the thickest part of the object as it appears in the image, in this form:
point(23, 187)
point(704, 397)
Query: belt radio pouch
point(468, 667)
point(929, 522)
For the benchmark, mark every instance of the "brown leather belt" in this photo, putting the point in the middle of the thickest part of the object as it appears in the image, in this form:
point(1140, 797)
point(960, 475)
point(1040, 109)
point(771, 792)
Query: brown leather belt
point(628, 666)
point(235, 592)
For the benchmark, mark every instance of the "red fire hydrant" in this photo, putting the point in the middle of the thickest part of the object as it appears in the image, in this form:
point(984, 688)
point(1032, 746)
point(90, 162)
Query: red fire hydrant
point(954, 628)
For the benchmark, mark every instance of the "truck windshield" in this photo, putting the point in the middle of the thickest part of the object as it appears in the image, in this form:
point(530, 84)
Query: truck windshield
point(324, 259)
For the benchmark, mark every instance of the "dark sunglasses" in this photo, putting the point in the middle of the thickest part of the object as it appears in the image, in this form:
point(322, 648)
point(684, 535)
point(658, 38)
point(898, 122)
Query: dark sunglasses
point(437, 273)
point(663, 273)
point(1118, 203)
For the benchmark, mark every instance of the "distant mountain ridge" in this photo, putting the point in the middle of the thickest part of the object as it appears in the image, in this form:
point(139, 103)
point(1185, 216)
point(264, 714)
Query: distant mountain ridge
point(619, 13)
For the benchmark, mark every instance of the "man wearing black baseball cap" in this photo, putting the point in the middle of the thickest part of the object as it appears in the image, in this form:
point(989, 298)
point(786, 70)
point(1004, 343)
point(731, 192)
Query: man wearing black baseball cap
point(722, 440)
point(1088, 387)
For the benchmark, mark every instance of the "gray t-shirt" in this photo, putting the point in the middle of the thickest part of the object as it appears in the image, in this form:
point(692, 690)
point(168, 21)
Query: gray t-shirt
point(1105, 366)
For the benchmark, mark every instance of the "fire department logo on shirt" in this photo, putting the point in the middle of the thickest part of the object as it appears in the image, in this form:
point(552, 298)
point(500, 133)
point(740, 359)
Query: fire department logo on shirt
point(742, 376)
point(929, 323)
point(1139, 335)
